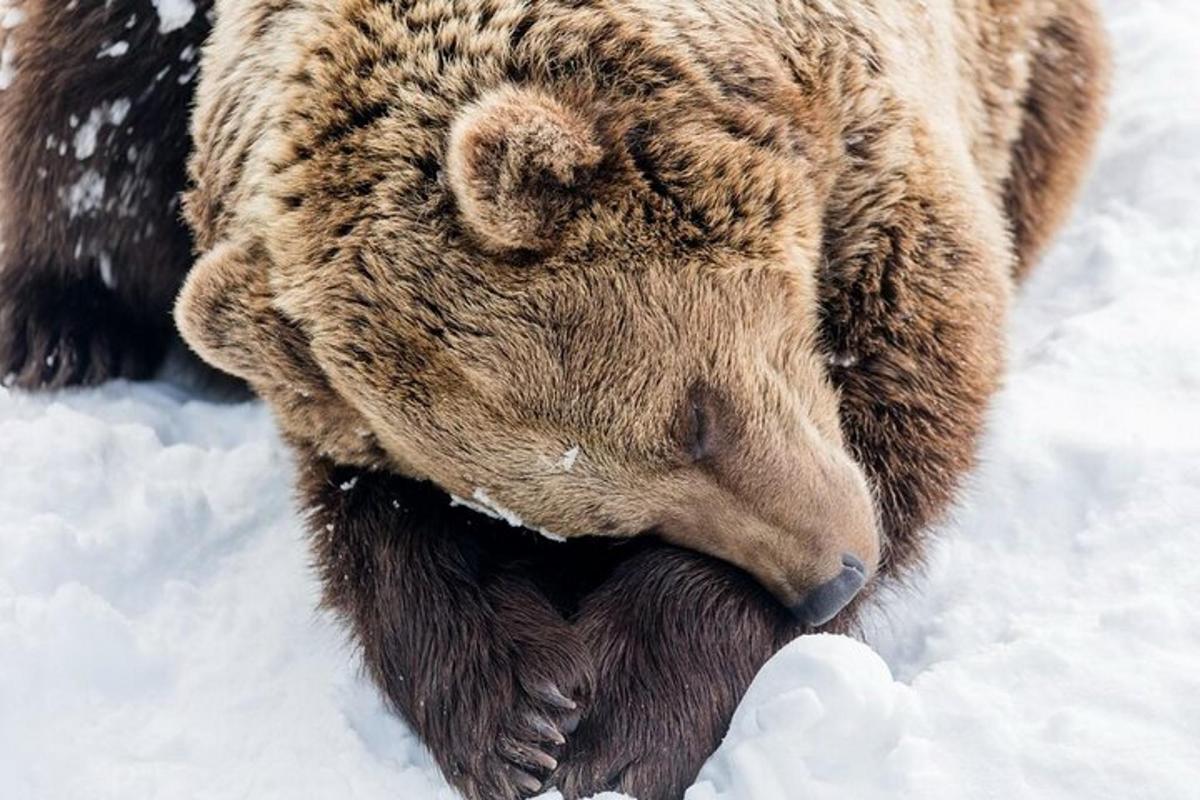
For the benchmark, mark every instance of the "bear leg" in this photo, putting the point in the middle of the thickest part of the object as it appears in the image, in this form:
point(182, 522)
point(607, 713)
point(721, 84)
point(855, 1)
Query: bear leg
point(1063, 114)
point(93, 142)
point(454, 631)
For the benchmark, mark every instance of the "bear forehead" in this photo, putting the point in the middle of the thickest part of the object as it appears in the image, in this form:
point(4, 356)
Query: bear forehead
point(369, 107)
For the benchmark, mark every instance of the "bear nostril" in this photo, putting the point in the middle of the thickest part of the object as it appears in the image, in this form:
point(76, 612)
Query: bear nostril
point(824, 602)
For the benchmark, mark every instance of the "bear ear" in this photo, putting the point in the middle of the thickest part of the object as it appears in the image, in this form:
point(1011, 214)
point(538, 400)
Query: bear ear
point(223, 311)
point(517, 162)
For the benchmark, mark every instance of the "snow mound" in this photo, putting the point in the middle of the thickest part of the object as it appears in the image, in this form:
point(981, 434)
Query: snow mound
point(157, 617)
point(827, 705)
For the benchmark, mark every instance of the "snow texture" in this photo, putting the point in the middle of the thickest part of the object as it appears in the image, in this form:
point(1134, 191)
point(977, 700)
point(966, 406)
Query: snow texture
point(88, 130)
point(482, 503)
point(173, 14)
point(10, 17)
point(156, 603)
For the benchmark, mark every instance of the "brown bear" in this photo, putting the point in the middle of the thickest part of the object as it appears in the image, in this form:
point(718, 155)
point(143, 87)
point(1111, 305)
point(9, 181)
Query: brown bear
point(731, 271)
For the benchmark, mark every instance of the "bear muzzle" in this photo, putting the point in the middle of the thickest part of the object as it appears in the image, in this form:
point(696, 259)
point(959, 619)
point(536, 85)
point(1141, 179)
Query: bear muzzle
point(801, 520)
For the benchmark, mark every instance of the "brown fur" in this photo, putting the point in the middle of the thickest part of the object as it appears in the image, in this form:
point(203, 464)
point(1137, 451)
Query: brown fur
point(549, 216)
point(87, 277)
point(794, 222)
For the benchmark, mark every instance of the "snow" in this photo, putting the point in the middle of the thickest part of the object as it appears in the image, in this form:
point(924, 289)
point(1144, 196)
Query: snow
point(157, 617)
point(86, 133)
point(481, 502)
point(173, 14)
point(114, 50)
point(567, 462)
point(85, 194)
point(105, 266)
point(10, 17)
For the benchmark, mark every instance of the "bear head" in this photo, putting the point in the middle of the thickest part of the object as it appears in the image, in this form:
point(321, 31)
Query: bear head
point(590, 317)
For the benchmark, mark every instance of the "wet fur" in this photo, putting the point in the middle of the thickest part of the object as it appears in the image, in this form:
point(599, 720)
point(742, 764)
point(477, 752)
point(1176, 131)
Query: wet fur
point(474, 633)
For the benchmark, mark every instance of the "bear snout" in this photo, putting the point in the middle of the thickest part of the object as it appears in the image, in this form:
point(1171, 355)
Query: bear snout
point(800, 518)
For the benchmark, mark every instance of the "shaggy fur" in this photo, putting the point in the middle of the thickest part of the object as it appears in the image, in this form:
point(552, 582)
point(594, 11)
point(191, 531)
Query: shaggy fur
point(496, 222)
point(93, 140)
point(748, 256)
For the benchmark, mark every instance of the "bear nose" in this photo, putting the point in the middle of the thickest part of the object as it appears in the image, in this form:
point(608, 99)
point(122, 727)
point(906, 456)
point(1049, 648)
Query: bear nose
point(824, 602)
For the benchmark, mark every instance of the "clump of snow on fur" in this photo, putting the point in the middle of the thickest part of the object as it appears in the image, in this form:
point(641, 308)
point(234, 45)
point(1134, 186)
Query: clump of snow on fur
point(483, 503)
point(10, 17)
point(173, 14)
point(567, 462)
point(114, 50)
point(86, 194)
point(86, 134)
point(105, 265)
point(551, 535)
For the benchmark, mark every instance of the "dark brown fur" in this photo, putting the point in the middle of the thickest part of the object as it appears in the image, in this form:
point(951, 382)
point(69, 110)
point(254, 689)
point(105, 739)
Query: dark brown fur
point(87, 296)
point(475, 633)
point(655, 644)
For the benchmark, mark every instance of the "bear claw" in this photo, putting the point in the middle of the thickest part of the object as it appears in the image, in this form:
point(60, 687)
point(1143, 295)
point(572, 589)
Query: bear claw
point(526, 781)
point(526, 755)
point(551, 694)
point(547, 731)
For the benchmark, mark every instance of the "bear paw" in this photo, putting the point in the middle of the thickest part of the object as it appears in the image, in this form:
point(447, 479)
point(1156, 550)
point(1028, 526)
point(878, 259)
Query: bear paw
point(71, 332)
point(670, 684)
point(635, 740)
point(532, 736)
point(518, 734)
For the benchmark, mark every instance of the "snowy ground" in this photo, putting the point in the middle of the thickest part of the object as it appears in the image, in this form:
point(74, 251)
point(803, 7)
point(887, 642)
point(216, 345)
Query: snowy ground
point(158, 638)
